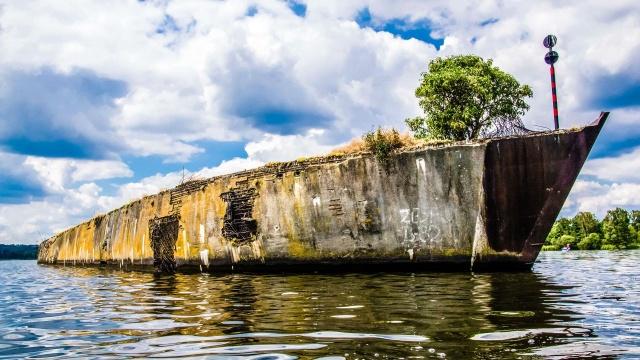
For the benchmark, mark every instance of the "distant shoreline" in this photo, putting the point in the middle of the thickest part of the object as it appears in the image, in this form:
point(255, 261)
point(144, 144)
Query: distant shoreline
point(34, 259)
point(18, 252)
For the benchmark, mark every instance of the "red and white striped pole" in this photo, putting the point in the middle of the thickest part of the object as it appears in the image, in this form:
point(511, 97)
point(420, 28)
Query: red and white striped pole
point(554, 97)
point(550, 58)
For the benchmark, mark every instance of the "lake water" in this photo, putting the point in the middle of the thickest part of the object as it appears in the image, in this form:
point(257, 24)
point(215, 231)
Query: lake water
point(573, 305)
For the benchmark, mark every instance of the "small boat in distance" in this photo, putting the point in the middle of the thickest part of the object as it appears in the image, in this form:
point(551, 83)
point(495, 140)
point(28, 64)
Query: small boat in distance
point(472, 206)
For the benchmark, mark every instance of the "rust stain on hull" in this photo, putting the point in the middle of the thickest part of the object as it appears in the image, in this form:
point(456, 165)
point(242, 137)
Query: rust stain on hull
point(486, 205)
point(526, 182)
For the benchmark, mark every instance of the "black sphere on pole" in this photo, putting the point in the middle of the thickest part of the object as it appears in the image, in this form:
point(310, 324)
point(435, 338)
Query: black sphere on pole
point(551, 57)
point(550, 41)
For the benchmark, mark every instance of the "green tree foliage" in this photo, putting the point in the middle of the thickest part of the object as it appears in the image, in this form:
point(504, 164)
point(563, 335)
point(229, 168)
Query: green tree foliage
point(465, 97)
point(615, 227)
point(590, 242)
point(634, 243)
point(618, 230)
point(566, 240)
point(561, 227)
point(634, 218)
point(21, 252)
point(585, 223)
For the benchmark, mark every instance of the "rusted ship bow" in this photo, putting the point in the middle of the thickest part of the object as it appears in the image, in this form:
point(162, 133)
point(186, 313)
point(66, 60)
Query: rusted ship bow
point(485, 205)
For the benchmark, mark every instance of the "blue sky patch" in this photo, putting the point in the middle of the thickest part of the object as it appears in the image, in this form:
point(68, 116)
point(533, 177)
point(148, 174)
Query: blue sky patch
point(617, 92)
point(611, 146)
point(251, 11)
point(401, 27)
point(51, 147)
point(18, 190)
point(298, 8)
point(214, 153)
point(168, 25)
point(363, 18)
point(489, 22)
point(285, 121)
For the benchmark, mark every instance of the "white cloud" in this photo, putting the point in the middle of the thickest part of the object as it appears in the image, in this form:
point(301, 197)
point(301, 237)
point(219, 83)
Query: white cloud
point(216, 73)
point(615, 182)
point(288, 147)
point(57, 173)
point(270, 148)
point(229, 167)
point(35, 221)
point(625, 167)
point(221, 75)
point(599, 198)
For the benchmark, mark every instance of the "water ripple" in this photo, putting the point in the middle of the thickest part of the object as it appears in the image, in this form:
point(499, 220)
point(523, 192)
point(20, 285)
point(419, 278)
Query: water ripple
point(573, 305)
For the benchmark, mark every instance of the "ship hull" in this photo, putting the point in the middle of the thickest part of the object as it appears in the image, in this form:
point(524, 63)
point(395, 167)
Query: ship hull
point(477, 206)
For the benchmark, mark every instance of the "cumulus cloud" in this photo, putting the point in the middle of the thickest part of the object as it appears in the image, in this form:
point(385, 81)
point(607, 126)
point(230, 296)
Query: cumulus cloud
point(57, 173)
point(206, 71)
point(607, 183)
point(36, 220)
point(32, 222)
point(600, 197)
point(289, 147)
point(619, 168)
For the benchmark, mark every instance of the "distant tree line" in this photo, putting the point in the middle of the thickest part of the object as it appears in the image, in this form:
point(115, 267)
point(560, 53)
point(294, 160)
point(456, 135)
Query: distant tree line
point(19, 252)
point(620, 229)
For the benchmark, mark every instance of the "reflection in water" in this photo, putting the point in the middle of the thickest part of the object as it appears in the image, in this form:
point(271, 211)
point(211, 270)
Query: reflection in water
point(559, 310)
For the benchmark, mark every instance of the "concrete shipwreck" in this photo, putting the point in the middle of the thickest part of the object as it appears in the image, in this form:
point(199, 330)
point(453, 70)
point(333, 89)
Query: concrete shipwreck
point(483, 205)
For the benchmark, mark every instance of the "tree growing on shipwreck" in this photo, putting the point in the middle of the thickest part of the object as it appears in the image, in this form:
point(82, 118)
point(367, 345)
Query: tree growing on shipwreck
point(465, 97)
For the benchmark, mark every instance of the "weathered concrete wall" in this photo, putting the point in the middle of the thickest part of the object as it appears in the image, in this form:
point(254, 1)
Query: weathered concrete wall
point(356, 208)
point(449, 205)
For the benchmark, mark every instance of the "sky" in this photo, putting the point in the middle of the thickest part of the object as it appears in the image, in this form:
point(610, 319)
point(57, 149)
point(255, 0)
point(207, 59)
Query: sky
point(104, 102)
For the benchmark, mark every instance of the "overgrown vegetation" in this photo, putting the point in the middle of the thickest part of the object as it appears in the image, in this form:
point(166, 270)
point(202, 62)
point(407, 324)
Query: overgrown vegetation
point(392, 137)
point(18, 252)
point(620, 229)
point(465, 97)
point(382, 142)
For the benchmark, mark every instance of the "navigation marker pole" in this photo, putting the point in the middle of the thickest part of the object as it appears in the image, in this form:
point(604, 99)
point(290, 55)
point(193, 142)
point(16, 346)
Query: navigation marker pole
point(550, 58)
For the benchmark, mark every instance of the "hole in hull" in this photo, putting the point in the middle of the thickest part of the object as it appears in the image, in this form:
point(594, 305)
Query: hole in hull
point(238, 225)
point(163, 234)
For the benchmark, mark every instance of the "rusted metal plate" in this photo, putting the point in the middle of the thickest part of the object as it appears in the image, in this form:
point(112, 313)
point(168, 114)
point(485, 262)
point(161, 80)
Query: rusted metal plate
point(526, 182)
